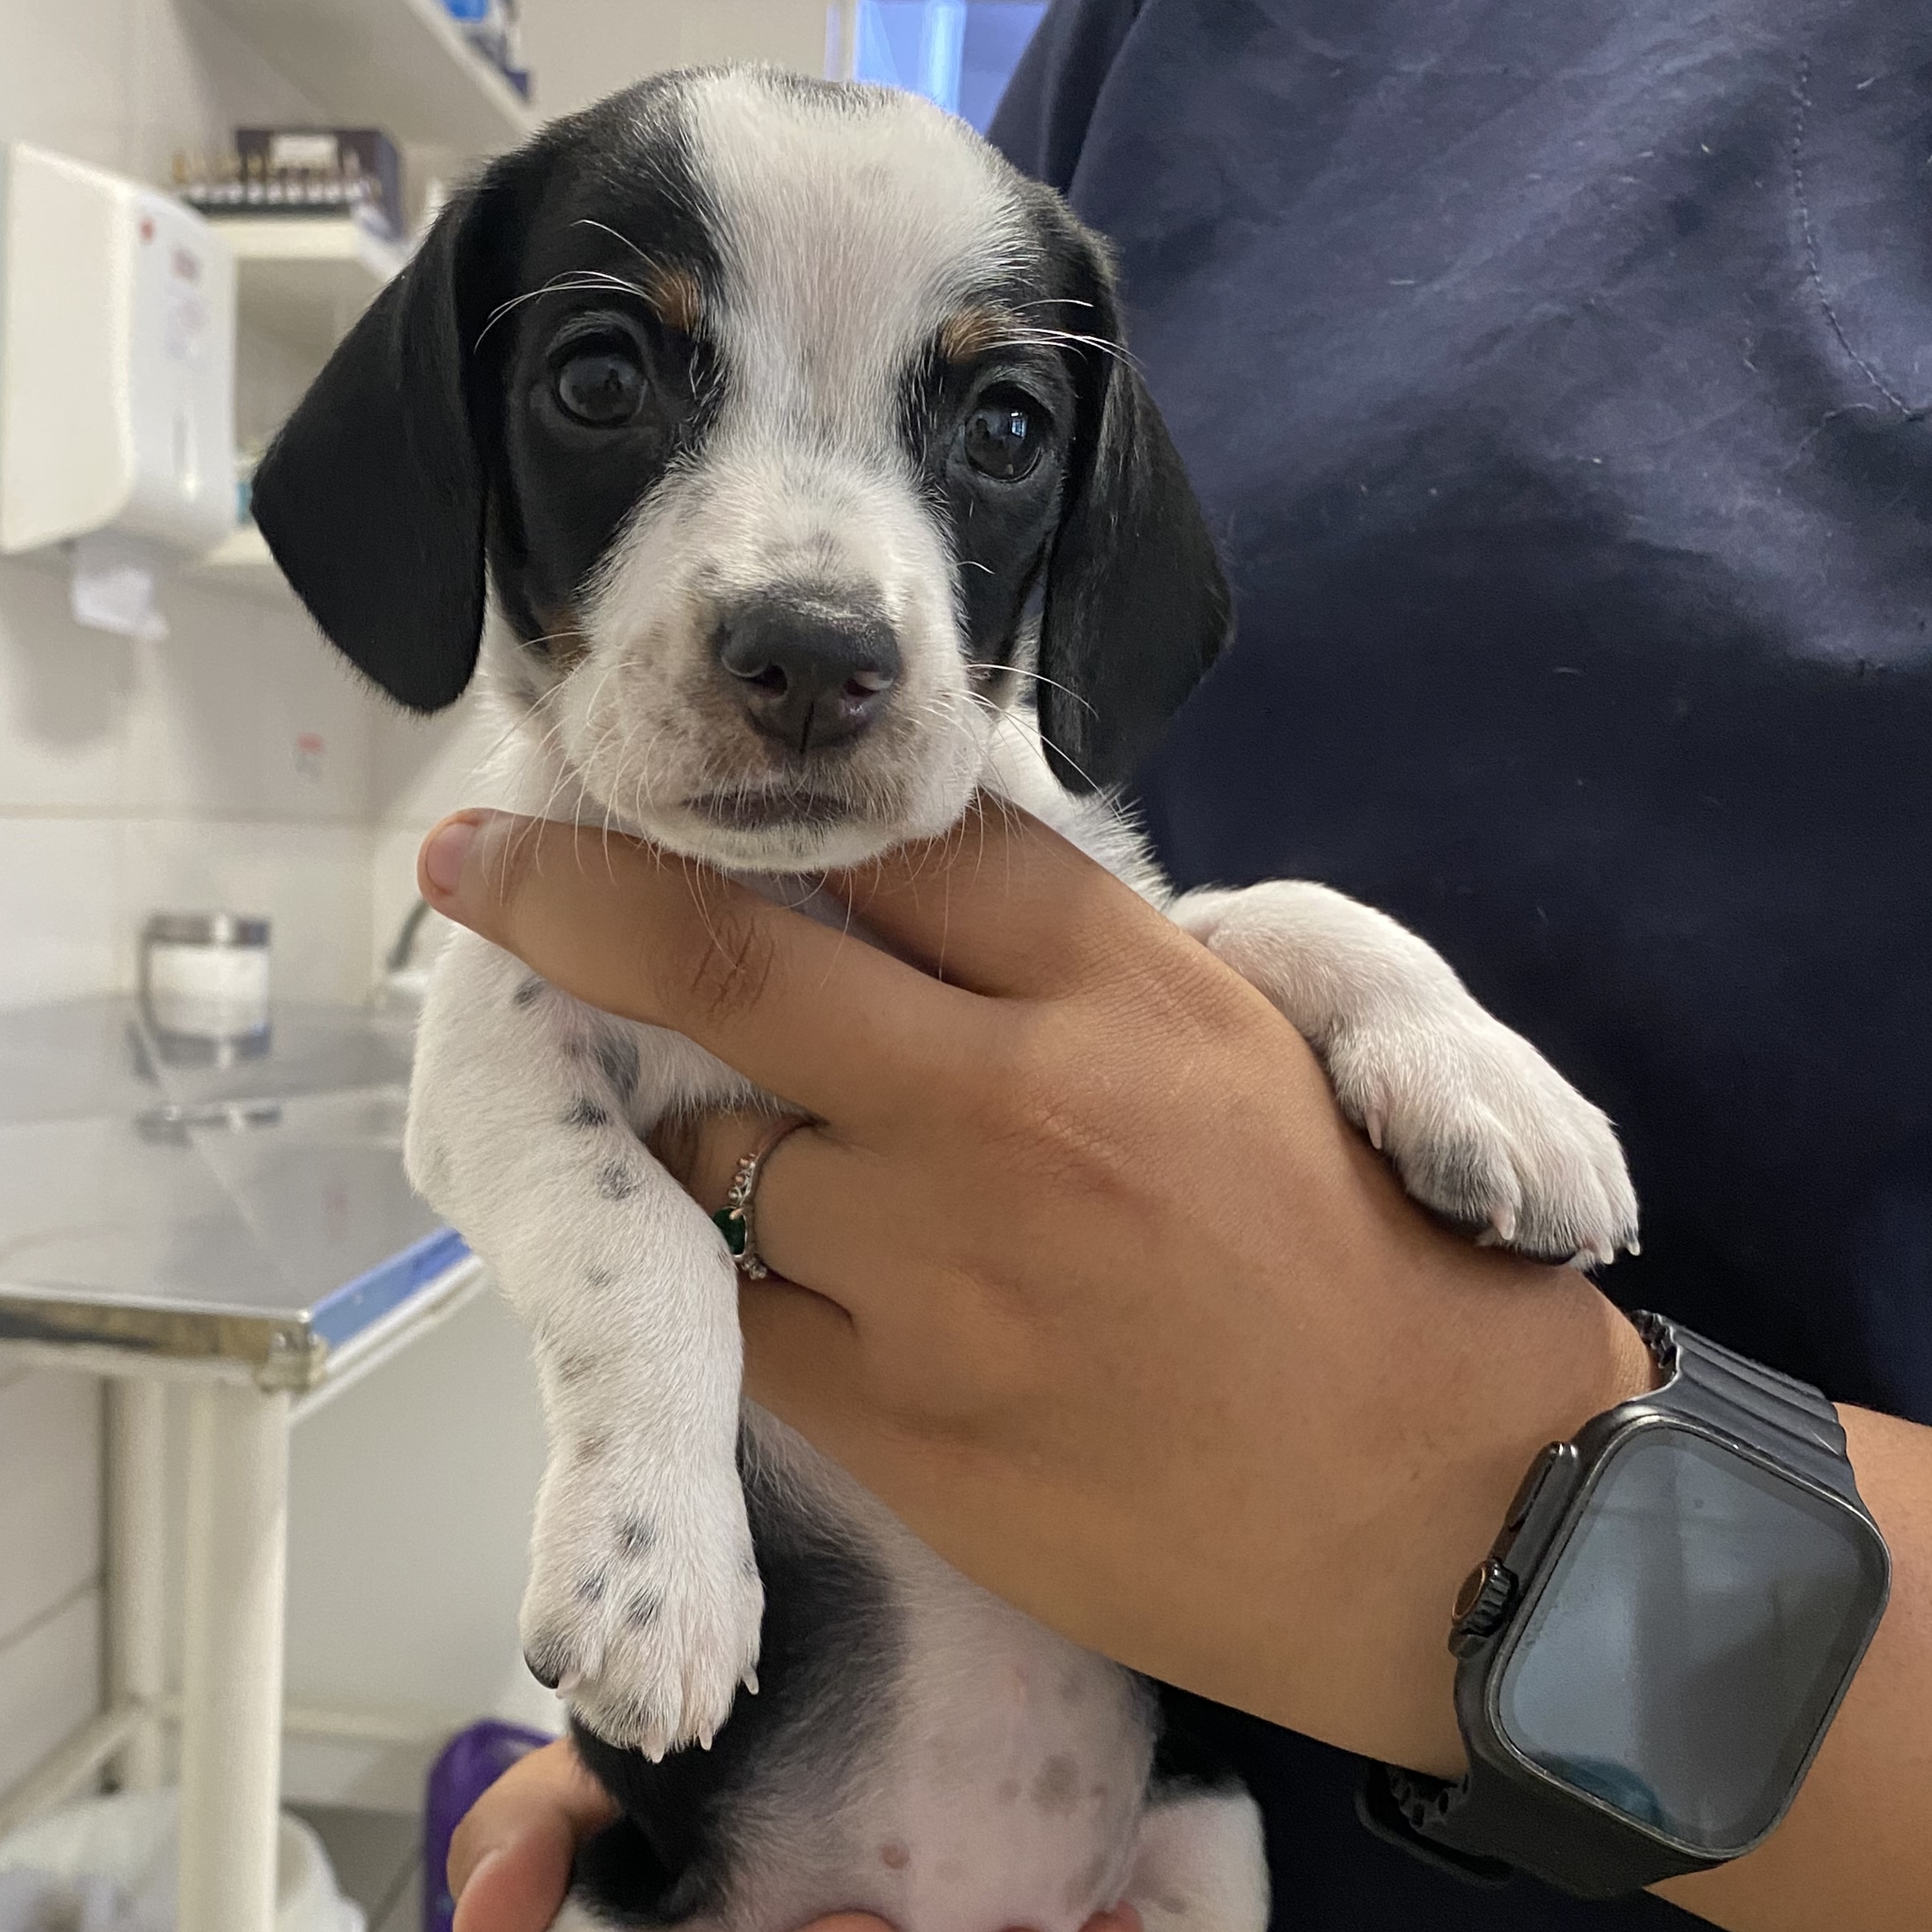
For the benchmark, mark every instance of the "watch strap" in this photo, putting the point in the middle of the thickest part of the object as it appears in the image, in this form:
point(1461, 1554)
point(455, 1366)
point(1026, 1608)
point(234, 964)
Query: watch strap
point(1755, 1406)
point(1485, 1830)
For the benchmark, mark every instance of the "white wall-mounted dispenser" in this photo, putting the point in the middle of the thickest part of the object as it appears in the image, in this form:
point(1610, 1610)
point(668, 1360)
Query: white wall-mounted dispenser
point(117, 380)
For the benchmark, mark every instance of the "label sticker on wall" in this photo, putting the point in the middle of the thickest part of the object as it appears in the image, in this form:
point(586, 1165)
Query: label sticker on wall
point(112, 587)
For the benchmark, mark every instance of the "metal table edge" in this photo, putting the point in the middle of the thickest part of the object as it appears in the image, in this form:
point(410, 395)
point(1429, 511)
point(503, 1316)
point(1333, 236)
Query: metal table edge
point(293, 1352)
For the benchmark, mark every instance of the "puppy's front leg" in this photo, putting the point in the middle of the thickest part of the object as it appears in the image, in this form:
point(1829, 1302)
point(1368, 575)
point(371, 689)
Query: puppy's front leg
point(1479, 1124)
point(643, 1601)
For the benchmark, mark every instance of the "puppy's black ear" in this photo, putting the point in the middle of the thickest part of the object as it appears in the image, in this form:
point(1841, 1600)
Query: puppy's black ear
point(374, 495)
point(1135, 607)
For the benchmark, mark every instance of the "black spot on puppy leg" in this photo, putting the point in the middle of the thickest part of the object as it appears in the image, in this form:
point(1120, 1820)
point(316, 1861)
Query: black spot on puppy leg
point(584, 1112)
point(617, 1056)
point(528, 995)
point(615, 1181)
point(636, 1534)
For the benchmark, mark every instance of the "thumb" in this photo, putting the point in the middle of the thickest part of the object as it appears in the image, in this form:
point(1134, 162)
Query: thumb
point(511, 1855)
point(578, 903)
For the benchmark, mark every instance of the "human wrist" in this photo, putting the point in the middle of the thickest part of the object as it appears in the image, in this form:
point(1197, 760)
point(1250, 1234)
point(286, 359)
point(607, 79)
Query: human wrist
point(1552, 1355)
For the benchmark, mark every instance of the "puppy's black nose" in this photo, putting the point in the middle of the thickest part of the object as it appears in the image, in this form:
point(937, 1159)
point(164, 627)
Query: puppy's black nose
point(809, 675)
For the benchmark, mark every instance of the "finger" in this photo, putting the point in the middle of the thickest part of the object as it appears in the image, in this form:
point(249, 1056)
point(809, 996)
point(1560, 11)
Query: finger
point(801, 1359)
point(816, 1201)
point(802, 1225)
point(702, 1151)
point(511, 1855)
point(804, 1009)
point(1001, 904)
point(520, 1887)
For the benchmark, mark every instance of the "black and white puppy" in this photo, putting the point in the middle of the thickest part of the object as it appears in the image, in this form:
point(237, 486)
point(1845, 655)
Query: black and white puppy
point(793, 434)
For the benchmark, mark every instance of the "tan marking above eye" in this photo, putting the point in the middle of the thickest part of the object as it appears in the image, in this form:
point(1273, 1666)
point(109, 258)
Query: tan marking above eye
point(564, 643)
point(678, 298)
point(971, 332)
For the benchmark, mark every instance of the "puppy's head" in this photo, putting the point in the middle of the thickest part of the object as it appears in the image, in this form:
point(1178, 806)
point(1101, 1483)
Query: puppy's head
point(792, 432)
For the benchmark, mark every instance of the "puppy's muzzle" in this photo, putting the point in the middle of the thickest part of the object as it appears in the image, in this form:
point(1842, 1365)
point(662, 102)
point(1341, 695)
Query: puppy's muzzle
point(809, 674)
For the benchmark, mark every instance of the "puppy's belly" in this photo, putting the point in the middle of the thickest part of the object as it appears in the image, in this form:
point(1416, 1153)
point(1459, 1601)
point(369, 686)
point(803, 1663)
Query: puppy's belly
point(1018, 1776)
point(1006, 1778)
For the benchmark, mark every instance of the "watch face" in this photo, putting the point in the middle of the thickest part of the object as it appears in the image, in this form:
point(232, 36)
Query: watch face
point(1693, 1637)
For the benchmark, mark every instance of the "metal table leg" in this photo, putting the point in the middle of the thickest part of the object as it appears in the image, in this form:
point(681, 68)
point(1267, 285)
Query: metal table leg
point(137, 1568)
point(231, 1662)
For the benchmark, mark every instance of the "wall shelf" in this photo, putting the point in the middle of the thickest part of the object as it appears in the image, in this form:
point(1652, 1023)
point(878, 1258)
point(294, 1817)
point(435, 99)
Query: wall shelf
point(304, 278)
point(402, 65)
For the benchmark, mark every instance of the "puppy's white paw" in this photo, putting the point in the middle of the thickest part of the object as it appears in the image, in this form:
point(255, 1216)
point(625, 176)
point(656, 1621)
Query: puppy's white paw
point(646, 1619)
point(1483, 1129)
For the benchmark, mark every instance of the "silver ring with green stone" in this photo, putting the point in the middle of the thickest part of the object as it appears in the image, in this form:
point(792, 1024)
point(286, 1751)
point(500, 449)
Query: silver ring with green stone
point(736, 1220)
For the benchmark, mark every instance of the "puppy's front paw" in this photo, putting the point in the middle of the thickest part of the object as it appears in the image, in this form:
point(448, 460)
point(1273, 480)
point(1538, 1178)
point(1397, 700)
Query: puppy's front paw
point(647, 1619)
point(1483, 1129)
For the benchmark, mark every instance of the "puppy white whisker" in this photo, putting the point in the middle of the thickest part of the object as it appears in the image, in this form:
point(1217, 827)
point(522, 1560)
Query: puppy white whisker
point(590, 221)
point(1037, 677)
point(577, 282)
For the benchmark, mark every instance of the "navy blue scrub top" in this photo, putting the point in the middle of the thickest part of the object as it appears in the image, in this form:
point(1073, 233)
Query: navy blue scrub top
point(1556, 378)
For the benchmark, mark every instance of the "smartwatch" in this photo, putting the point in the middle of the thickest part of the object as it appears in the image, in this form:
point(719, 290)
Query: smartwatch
point(1650, 1654)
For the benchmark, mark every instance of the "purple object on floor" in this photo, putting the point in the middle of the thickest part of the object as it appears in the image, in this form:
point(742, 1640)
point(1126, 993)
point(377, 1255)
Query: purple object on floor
point(471, 1763)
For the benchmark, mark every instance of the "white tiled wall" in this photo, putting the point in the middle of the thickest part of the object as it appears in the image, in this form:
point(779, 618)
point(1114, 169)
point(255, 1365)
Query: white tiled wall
point(228, 765)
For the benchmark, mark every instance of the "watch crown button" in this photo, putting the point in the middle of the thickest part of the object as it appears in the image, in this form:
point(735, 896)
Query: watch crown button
point(1482, 1603)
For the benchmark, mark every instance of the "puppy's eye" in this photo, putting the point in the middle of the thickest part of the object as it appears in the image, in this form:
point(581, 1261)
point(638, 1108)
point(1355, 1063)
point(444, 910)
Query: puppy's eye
point(603, 386)
point(1002, 436)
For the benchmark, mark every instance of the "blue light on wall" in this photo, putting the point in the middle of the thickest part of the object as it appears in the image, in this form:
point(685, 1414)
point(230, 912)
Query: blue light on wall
point(959, 52)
